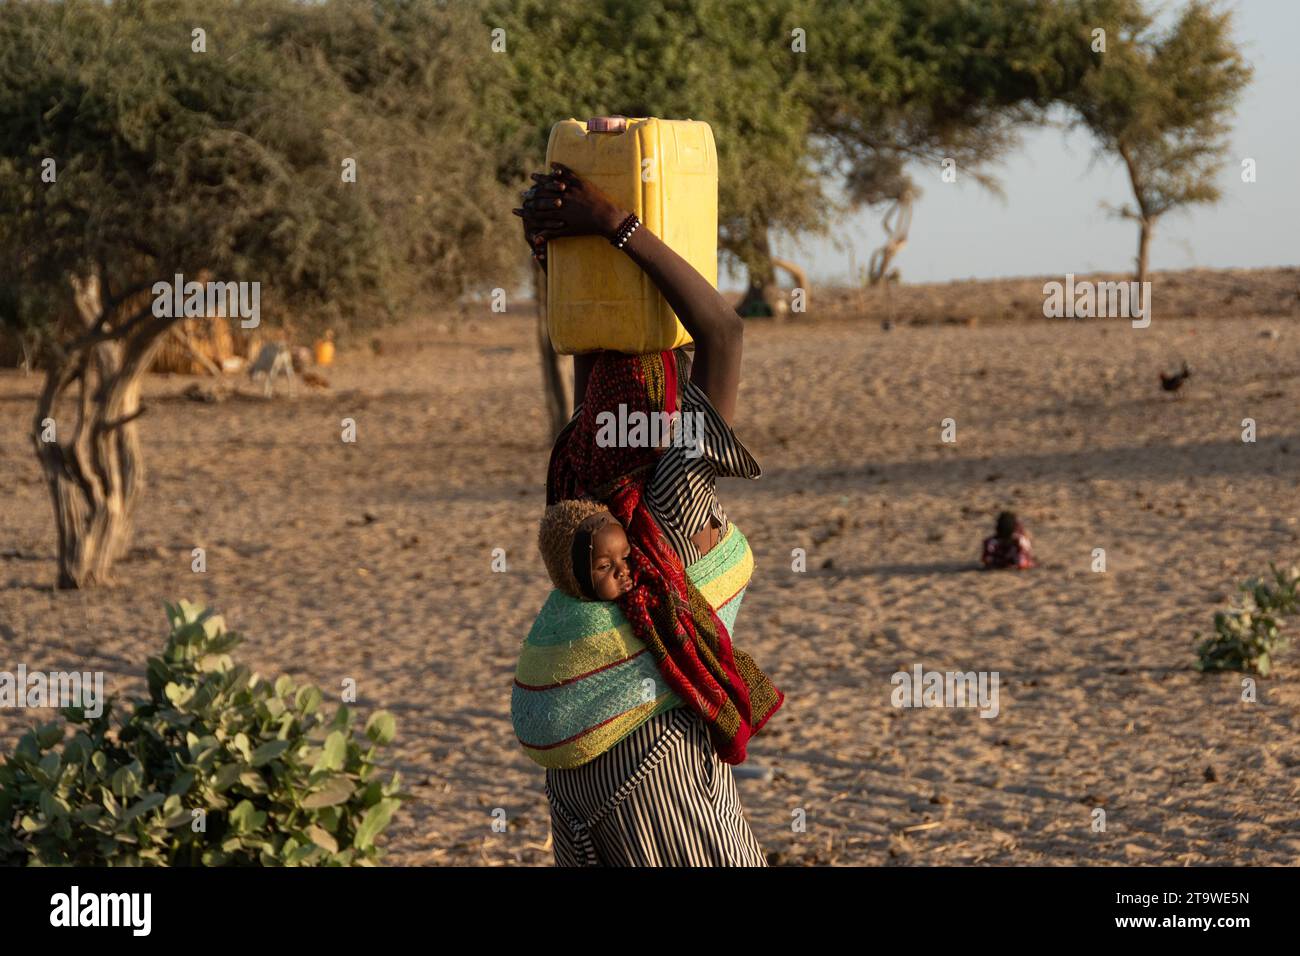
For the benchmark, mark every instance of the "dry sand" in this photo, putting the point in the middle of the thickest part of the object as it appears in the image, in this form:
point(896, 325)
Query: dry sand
point(1064, 421)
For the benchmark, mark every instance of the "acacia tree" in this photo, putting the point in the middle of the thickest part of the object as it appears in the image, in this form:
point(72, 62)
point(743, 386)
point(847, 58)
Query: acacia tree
point(1160, 102)
point(801, 94)
point(901, 85)
point(133, 149)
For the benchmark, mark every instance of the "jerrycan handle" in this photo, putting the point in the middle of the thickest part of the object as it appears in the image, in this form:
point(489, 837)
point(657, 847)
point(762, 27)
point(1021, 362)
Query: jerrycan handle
point(607, 124)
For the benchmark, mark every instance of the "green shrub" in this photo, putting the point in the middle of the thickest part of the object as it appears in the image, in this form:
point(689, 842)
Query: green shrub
point(1247, 636)
point(217, 767)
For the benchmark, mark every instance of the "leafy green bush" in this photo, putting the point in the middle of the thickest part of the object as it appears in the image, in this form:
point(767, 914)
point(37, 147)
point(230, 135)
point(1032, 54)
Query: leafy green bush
point(217, 767)
point(1247, 635)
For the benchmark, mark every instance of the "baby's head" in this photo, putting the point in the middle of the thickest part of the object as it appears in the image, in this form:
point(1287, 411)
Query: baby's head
point(586, 550)
point(1008, 525)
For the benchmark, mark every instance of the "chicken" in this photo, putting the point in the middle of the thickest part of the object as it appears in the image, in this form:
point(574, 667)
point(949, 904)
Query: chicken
point(1172, 383)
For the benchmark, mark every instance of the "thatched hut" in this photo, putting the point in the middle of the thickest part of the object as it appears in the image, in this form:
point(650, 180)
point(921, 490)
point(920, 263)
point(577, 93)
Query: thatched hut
point(197, 346)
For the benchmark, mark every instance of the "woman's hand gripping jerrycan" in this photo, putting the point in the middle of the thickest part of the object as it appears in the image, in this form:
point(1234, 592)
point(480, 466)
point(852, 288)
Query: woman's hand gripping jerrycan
point(665, 171)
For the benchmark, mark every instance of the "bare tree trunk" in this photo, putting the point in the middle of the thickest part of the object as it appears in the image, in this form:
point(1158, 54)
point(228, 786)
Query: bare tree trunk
point(896, 222)
point(1144, 241)
point(1146, 220)
point(25, 340)
point(798, 277)
point(555, 389)
point(92, 459)
point(763, 297)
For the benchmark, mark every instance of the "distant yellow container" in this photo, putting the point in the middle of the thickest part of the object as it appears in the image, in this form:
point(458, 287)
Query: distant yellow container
point(665, 171)
point(325, 352)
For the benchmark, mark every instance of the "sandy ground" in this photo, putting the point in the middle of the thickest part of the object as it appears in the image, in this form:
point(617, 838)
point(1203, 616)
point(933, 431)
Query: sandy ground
point(1064, 421)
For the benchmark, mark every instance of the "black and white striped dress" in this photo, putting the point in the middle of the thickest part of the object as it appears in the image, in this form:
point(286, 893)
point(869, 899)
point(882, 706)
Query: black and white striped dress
point(658, 797)
point(661, 796)
point(682, 492)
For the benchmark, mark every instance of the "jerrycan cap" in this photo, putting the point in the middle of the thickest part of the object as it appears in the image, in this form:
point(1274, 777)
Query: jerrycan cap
point(607, 124)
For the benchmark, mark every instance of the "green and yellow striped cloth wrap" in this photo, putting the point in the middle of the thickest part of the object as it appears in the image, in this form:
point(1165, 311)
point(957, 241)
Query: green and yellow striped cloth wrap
point(584, 681)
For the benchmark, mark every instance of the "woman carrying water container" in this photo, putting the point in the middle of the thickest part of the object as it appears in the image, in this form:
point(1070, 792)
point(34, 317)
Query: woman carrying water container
point(628, 689)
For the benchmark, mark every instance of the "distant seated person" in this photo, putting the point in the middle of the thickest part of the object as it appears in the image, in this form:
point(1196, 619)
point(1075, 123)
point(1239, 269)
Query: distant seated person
point(1010, 547)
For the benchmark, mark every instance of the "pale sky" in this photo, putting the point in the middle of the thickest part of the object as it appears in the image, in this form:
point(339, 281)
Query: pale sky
point(1051, 221)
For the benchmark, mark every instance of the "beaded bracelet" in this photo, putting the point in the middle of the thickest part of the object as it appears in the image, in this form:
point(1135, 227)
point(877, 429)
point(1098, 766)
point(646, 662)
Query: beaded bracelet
point(625, 230)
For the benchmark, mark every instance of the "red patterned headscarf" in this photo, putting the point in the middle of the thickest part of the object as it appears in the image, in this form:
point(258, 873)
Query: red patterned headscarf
point(668, 614)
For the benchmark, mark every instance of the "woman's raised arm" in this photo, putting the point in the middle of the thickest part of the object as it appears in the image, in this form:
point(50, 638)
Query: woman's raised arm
point(714, 325)
point(567, 206)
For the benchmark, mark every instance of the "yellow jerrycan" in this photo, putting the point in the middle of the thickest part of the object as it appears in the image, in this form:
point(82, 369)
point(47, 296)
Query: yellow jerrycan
point(665, 171)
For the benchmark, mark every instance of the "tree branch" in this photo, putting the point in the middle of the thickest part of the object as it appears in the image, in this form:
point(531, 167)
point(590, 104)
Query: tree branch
point(113, 425)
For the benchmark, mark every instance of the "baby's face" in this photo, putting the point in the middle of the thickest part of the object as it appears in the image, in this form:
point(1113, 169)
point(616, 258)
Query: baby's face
point(611, 574)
